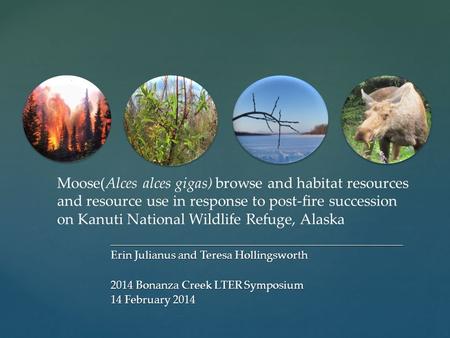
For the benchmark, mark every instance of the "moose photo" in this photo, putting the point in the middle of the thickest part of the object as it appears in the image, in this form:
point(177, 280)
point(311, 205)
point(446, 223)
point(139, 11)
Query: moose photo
point(386, 119)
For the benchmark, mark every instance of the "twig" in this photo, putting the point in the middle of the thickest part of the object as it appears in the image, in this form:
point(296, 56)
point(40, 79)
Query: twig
point(265, 118)
point(260, 115)
point(265, 115)
point(275, 106)
point(279, 128)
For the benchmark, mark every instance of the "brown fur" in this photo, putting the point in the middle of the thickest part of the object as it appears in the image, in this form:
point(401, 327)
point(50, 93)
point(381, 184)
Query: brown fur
point(393, 115)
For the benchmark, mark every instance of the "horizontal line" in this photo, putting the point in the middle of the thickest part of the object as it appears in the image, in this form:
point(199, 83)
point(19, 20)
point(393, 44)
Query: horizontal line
point(265, 245)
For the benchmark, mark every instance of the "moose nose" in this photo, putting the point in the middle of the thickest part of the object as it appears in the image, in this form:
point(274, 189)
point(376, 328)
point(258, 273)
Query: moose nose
point(362, 134)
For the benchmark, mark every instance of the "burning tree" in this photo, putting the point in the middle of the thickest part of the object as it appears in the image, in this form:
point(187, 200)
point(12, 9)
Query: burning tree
point(73, 139)
point(31, 120)
point(98, 127)
point(88, 135)
point(42, 145)
point(64, 141)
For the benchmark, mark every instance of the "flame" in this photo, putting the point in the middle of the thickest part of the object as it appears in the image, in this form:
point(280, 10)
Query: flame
point(58, 115)
point(53, 143)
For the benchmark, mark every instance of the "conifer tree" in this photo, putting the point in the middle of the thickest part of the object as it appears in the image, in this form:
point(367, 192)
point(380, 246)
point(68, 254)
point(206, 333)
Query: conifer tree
point(64, 140)
point(73, 139)
point(43, 133)
point(98, 128)
point(88, 135)
point(30, 120)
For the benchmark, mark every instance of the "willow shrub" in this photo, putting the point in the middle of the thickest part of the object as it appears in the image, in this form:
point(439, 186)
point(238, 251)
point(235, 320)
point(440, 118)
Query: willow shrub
point(170, 128)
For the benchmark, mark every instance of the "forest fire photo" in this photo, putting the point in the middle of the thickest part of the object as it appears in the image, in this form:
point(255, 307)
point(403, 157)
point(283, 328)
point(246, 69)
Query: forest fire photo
point(66, 118)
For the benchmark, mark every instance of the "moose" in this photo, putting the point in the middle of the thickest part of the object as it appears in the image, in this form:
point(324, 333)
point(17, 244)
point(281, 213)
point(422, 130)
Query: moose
point(393, 115)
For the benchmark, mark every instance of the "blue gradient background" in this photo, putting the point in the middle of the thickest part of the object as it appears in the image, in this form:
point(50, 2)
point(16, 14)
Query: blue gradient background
point(54, 281)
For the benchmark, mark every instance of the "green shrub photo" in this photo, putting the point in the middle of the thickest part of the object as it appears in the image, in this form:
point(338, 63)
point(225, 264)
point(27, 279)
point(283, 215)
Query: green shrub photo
point(170, 120)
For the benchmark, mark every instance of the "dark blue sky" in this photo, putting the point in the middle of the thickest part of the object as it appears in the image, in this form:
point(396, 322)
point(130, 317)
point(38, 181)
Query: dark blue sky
point(299, 101)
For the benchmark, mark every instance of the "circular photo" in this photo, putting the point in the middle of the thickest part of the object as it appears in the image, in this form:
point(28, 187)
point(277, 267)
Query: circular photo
point(170, 120)
point(66, 118)
point(386, 119)
point(280, 119)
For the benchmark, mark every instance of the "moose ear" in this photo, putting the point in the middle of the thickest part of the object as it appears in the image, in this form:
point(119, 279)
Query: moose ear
point(407, 86)
point(368, 100)
point(401, 92)
point(397, 98)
